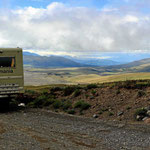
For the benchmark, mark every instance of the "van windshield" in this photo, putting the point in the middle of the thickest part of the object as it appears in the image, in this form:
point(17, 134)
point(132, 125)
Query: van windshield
point(7, 62)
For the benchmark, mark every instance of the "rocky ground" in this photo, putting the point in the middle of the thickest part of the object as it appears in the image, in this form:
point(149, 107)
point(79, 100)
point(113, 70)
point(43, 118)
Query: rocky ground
point(38, 129)
point(121, 101)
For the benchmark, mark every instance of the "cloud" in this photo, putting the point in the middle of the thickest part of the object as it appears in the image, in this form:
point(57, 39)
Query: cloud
point(61, 29)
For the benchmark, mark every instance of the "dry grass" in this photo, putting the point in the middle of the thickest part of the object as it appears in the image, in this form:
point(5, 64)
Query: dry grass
point(93, 78)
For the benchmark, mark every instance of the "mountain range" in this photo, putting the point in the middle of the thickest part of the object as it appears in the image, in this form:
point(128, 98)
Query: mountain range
point(35, 60)
point(104, 65)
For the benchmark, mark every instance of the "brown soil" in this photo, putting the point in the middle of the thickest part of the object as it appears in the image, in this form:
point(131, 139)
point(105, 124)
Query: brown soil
point(108, 102)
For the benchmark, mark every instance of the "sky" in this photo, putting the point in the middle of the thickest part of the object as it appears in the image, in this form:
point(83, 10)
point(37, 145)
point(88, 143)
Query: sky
point(76, 28)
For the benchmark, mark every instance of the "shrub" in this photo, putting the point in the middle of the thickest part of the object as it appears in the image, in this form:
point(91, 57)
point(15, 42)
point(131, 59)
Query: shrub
point(104, 109)
point(118, 91)
point(86, 95)
point(39, 101)
point(66, 105)
point(82, 105)
point(31, 92)
point(100, 113)
point(81, 113)
point(77, 92)
point(31, 104)
point(91, 86)
point(68, 90)
point(140, 112)
point(48, 102)
point(72, 111)
point(55, 89)
point(57, 104)
point(128, 108)
point(93, 92)
point(141, 93)
point(44, 92)
point(110, 113)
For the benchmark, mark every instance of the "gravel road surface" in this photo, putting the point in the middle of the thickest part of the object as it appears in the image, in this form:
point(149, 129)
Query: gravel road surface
point(37, 129)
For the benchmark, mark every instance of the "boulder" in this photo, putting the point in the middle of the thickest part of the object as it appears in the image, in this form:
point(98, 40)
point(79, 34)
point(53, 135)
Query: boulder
point(95, 116)
point(148, 112)
point(138, 118)
point(147, 120)
point(21, 105)
point(120, 113)
point(147, 108)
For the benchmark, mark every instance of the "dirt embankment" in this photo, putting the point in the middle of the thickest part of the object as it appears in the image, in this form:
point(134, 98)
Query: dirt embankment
point(111, 101)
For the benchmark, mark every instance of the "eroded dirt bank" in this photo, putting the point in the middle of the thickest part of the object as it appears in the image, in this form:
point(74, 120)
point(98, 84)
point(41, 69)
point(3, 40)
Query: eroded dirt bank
point(43, 130)
point(122, 101)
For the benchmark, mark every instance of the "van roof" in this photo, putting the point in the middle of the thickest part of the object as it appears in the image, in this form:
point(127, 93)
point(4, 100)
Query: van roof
point(11, 49)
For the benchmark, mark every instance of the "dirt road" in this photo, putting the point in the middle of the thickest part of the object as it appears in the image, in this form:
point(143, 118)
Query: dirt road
point(37, 129)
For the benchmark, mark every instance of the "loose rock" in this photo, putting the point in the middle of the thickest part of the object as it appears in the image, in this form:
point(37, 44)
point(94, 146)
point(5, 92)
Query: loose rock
point(120, 113)
point(148, 112)
point(147, 120)
point(21, 105)
point(95, 116)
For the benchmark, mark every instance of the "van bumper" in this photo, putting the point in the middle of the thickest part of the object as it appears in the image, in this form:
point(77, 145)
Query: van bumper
point(10, 89)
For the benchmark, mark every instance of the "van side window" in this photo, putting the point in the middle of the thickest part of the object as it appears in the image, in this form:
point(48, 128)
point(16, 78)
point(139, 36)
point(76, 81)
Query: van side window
point(7, 62)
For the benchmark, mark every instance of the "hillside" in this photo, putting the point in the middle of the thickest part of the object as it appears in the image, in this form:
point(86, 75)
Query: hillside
point(137, 63)
point(78, 60)
point(116, 100)
point(93, 61)
point(52, 61)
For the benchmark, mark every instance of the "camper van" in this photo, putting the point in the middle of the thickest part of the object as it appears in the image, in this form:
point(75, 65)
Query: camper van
point(11, 71)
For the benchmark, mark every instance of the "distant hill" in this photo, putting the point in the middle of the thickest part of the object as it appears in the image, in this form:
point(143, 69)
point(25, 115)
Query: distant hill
point(93, 61)
point(98, 62)
point(52, 61)
point(135, 66)
point(132, 64)
point(30, 54)
point(35, 60)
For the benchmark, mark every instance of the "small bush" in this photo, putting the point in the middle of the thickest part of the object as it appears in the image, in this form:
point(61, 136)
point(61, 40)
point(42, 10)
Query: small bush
point(91, 86)
point(141, 93)
point(44, 92)
point(81, 113)
point(93, 92)
point(100, 113)
point(31, 104)
point(118, 92)
point(72, 111)
point(128, 108)
point(66, 105)
point(140, 112)
point(55, 89)
point(86, 95)
point(68, 90)
point(77, 92)
point(57, 104)
point(104, 109)
point(110, 113)
point(82, 105)
point(31, 92)
point(39, 101)
point(48, 102)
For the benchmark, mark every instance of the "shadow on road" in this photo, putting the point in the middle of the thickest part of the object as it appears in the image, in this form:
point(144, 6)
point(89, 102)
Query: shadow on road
point(8, 105)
